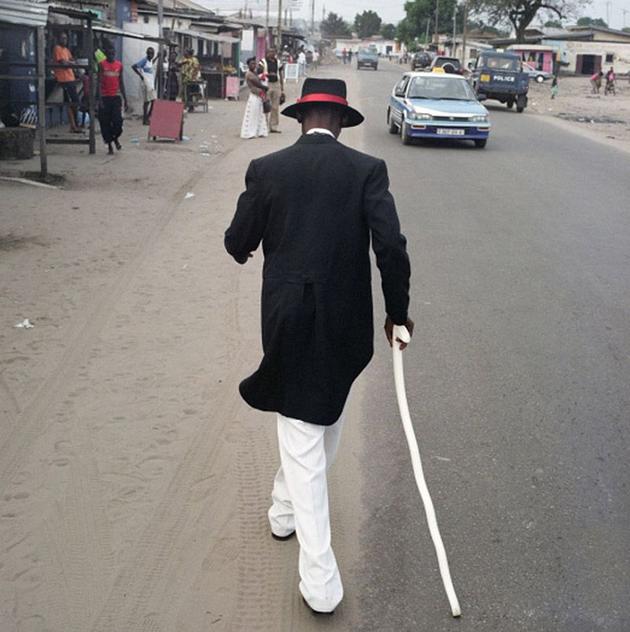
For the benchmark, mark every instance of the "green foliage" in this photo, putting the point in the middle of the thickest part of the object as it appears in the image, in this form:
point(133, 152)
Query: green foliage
point(388, 31)
point(367, 23)
point(520, 13)
point(335, 25)
point(586, 21)
point(419, 13)
point(553, 24)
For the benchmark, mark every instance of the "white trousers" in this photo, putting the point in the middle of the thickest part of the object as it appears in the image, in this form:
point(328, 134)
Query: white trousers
point(300, 504)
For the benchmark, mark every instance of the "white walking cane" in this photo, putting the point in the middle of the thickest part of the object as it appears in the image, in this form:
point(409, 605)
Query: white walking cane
point(402, 334)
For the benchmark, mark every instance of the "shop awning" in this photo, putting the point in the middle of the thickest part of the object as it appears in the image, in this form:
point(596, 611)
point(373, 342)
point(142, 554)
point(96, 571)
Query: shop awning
point(114, 30)
point(211, 37)
point(23, 13)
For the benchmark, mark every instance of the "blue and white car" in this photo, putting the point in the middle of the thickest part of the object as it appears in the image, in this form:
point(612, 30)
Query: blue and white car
point(437, 105)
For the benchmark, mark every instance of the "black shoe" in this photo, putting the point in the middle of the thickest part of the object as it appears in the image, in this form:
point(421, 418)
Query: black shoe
point(118, 145)
point(317, 613)
point(110, 149)
point(282, 538)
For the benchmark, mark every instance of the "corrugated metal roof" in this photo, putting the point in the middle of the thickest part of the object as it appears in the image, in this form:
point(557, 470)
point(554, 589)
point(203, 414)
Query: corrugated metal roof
point(208, 36)
point(23, 12)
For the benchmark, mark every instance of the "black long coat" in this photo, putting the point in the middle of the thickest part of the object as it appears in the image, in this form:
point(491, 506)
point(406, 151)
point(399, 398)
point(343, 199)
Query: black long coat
point(315, 205)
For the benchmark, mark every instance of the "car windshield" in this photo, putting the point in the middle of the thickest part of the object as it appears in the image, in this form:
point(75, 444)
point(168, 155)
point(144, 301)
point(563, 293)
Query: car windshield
point(436, 87)
point(499, 63)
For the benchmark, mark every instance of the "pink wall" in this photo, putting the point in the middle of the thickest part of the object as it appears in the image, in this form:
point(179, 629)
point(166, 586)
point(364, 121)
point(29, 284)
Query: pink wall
point(261, 47)
point(534, 58)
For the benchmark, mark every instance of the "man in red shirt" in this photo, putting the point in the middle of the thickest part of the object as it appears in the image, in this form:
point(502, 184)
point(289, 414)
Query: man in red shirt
point(111, 88)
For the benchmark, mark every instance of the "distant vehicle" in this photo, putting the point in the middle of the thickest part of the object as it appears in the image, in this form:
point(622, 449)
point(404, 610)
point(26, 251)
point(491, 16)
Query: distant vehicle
point(367, 57)
point(500, 76)
point(449, 64)
point(437, 105)
point(421, 60)
point(538, 75)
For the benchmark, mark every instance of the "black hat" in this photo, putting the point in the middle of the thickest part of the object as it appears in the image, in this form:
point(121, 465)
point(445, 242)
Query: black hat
point(325, 91)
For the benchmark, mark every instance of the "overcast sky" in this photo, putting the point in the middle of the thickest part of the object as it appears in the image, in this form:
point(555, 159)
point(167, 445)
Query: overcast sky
point(393, 10)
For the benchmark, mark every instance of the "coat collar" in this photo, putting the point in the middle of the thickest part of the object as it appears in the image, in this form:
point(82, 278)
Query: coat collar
point(315, 139)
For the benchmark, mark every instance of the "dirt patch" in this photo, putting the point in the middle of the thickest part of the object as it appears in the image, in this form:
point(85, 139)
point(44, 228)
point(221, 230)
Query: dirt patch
point(603, 116)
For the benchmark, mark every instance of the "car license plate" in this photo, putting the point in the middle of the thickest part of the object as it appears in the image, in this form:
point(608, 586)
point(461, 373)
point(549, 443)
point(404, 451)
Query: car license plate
point(484, 78)
point(449, 131)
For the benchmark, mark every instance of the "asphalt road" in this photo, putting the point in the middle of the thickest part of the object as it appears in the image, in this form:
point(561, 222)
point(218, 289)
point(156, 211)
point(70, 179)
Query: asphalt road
point(518, 380)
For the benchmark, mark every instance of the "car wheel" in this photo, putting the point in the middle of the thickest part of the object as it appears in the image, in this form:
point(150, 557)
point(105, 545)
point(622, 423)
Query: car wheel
point(521, 103)
point(510, 103)
point(393, 128)
point(404, 133)
point(539, 79)
point(481, 142)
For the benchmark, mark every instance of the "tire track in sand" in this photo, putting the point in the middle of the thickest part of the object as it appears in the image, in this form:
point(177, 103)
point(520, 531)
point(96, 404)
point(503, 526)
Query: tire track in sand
point(33, 418)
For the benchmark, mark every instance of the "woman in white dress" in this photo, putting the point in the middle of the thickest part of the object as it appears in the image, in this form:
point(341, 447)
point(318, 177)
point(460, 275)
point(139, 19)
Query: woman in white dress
point(254, 121)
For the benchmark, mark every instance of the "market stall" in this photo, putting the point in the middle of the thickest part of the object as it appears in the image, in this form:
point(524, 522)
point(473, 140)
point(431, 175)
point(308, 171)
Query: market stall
point(217, 54)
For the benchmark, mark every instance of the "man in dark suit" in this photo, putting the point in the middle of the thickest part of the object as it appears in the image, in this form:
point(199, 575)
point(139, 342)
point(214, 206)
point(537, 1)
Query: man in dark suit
point(317, 321)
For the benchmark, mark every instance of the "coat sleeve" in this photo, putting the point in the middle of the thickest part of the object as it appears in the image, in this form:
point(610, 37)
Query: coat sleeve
point(248, 224)
point(388, 242)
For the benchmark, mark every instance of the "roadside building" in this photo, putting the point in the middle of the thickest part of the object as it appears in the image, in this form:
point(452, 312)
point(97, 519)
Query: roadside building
point(454, 48)
point(581, 50)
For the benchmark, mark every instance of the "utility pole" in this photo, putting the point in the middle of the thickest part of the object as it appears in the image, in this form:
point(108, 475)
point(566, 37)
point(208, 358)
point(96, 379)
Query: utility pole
point(454, 47)
point(624, 11)
point(279, 34)
point(426, 35)
point(313, 17)
point(608, 7)
point(267, 24)
point(437, 18)
point(464, 33)
point(160, 60)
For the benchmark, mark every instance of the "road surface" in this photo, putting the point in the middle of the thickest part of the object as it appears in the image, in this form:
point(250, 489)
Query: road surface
point(134, 481)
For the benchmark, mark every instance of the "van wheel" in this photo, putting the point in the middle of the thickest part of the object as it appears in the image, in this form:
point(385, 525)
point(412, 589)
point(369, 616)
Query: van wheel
point(404, 134)
point(510, 103)
point(393, 128)
point(481, 142)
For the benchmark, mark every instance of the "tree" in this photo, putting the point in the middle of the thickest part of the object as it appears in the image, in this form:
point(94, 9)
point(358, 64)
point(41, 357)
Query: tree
point(553, 24)
point(421, 13)
point(586, 21)
point(335, 25)
point(388, 31)
point(367, 23)
point(520, 13)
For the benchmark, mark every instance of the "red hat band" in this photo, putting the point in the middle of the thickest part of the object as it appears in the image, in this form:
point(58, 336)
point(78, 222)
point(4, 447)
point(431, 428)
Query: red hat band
point(320, 97)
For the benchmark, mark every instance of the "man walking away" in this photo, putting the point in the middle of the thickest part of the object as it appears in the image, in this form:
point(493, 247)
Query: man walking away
point(274, 70)
point(317, 321)
point(145, 69)
point(66, 79)
point(301, 60)
point(112, 97)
